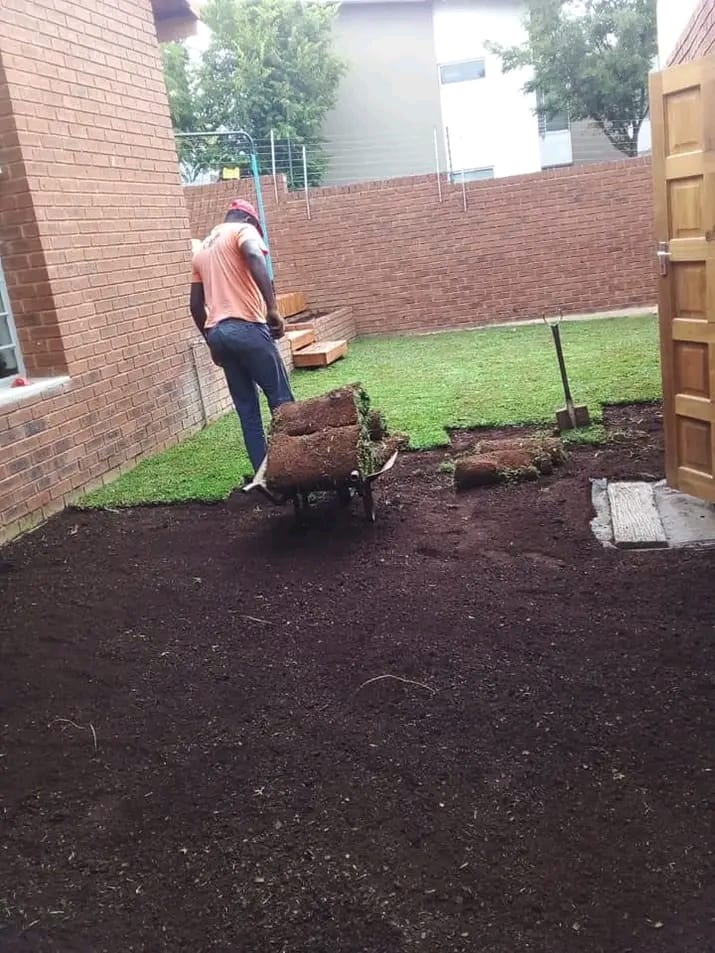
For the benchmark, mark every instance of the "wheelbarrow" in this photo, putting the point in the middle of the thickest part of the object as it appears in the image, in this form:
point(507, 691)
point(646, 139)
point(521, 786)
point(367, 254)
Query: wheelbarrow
point(345, 490)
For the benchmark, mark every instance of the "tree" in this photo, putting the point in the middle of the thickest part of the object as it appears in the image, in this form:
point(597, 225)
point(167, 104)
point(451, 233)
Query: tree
point(269, 65)
point(590, 60)
point(183, 108)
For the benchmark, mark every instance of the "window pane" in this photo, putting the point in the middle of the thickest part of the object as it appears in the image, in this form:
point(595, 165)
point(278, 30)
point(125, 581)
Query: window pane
point(8, 354)
point(5, 336)
point(461, 72)
point(8, 364)
point(10, 357)
point(559, 122)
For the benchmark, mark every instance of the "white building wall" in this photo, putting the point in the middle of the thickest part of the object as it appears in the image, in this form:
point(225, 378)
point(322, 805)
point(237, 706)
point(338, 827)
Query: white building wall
point(491, 122)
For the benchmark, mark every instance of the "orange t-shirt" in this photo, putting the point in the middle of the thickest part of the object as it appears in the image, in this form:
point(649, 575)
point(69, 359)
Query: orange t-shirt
point(229, 288)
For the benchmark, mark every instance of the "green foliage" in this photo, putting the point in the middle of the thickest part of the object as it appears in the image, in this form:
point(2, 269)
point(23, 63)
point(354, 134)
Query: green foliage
point(196, 155)
point(425, 384)
point(269, 65)
point(591, 61)
point(178, 85)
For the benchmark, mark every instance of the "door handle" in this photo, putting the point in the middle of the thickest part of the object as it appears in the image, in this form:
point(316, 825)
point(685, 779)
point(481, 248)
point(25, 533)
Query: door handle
point(663, 254)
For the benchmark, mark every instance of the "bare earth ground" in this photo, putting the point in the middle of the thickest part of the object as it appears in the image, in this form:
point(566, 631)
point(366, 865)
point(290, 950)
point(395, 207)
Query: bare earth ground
point(547, 791)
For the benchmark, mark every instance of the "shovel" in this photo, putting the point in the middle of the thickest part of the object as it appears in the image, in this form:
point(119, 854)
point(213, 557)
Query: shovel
point(572, 415)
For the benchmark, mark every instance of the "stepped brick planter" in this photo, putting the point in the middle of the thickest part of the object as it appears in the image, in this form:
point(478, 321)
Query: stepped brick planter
point(286, 352)
point(337, 325)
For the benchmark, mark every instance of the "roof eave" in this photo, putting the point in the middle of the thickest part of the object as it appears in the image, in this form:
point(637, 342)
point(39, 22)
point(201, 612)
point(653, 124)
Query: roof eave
point(175, 19)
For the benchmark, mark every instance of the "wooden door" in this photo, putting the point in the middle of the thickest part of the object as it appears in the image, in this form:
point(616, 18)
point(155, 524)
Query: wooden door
point(682, 101)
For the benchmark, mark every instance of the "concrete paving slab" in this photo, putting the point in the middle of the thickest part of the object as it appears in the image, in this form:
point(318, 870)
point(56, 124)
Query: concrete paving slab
point(687, 522)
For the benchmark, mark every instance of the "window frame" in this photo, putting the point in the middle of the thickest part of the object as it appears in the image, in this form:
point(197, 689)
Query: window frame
point(454, 82)
point(456, 177)
point(14, 345)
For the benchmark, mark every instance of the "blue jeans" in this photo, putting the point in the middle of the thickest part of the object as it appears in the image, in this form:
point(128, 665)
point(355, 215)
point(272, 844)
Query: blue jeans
point(250, 359)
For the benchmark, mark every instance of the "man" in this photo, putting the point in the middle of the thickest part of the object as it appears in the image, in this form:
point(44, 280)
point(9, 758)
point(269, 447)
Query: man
point(234, 307)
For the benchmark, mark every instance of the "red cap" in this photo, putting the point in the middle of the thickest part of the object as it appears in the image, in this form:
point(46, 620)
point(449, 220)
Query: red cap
point(239, 205)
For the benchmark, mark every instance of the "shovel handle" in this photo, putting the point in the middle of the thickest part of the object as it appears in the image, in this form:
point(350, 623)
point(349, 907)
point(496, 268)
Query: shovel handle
point(550, 322)
point(562, 364)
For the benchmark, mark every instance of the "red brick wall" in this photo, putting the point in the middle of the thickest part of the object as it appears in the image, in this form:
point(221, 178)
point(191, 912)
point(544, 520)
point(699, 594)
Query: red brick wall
point(94, 239)
point(580, 239)
point(698, 38)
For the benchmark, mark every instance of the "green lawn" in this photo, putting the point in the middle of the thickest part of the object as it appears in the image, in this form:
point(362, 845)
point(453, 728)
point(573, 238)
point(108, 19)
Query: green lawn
point(425, 384)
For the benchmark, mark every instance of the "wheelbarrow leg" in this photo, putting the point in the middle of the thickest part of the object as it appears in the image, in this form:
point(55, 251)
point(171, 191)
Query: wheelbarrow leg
point(300, 509)
point(368, 502)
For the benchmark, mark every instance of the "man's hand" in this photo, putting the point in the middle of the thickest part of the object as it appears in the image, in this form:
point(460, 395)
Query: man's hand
point(276, 324)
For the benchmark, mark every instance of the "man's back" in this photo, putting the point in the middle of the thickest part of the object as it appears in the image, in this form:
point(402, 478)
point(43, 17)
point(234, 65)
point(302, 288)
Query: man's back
point(229, 287)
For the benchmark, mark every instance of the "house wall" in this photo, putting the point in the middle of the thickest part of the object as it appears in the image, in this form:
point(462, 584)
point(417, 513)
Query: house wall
point(580, 239)
point(698, 36)
point(391, 99)
point(94, 240)
point(491, 121)
point(388, 105)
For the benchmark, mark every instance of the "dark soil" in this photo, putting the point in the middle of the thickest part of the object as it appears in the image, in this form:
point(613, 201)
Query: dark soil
point(544, 788)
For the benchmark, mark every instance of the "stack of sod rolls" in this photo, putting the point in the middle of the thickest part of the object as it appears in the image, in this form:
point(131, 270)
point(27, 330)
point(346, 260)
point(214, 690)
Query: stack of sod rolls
point(321, 442)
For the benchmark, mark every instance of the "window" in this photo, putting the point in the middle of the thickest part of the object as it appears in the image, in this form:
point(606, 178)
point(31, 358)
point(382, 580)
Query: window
point(462, 72)
point(558, 122)
point(10, 358)
point(472, 175)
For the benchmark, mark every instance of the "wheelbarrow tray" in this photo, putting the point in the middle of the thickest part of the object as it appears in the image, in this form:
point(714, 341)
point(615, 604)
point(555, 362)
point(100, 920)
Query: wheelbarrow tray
point(361, 485)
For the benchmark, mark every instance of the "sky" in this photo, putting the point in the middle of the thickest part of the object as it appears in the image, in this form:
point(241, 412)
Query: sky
point(197, 44)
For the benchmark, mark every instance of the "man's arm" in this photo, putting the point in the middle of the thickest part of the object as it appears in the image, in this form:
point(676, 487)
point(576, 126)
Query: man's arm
point(197, 304)
point(256, 260)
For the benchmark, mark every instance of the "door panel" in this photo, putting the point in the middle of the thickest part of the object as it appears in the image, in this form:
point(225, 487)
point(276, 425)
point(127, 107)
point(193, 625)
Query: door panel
point(682, 101)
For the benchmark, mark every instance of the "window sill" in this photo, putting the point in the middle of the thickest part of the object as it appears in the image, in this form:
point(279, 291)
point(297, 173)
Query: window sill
point(43, 386)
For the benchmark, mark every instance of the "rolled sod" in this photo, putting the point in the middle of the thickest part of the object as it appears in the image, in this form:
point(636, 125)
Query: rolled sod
point(321, 442)
point(498, 461)
point(345, 407)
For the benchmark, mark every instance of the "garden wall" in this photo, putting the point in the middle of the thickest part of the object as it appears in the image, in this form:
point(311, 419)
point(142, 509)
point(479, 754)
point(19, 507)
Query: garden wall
point(580, 239)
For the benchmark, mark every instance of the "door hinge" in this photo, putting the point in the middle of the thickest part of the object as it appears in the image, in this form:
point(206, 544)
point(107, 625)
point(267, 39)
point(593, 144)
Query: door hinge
point(663, 254)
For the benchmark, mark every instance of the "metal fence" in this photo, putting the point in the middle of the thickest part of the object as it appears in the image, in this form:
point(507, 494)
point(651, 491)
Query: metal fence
point(453, 159)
